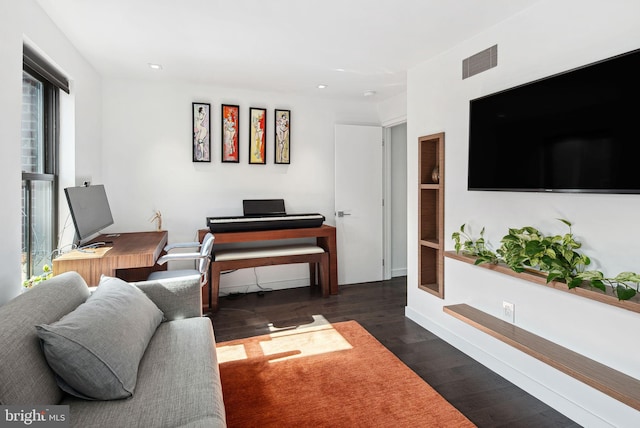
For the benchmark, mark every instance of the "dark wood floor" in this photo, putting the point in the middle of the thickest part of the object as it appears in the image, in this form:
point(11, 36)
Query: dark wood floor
point(485, 398)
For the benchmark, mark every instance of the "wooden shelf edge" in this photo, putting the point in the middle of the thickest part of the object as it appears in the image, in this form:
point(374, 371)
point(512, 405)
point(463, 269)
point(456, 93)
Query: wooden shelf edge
point(430, 186)
point(587, 292)
point(431, 243)
point(611, 382)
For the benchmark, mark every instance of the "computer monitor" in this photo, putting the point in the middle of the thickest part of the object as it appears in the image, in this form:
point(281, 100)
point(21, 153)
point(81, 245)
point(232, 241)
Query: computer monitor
point(90, 210)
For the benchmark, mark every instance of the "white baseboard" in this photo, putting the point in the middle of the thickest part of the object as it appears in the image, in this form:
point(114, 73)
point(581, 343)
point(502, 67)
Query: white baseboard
point(398, 272)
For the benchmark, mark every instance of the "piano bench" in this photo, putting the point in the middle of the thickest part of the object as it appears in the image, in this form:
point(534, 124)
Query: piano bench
point(268, 256)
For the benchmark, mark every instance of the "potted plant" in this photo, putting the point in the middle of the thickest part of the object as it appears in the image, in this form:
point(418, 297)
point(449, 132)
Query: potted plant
point(37, 279)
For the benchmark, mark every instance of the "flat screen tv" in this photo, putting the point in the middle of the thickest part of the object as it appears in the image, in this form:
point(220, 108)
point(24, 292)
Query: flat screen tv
point(90, 210)
point(577, 131)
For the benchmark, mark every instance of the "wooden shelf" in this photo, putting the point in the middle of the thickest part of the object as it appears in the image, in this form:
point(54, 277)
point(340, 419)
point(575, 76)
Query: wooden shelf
point(618, 385)
point(431, 214)
point(431, 243)
point(432, 288)
point(584, 291)
point(430, 186)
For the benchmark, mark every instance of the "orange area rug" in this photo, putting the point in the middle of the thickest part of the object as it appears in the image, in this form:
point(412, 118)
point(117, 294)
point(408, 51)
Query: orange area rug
point(326, 375)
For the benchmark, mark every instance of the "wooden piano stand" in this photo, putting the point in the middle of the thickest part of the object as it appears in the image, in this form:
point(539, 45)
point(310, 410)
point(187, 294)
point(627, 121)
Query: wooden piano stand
point(325, 236)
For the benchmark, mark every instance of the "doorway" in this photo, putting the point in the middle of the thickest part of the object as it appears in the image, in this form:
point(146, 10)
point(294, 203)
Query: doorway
point(359, 203)
point(371, 218)
point(395, 191)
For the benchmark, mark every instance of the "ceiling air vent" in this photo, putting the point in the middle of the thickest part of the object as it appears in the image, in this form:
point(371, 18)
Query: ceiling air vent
point(480, 62)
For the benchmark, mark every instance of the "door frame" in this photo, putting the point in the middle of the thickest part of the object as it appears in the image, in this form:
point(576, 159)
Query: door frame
point(386, 193)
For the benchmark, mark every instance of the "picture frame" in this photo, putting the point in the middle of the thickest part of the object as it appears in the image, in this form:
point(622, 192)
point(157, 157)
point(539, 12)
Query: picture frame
point(230, 132)
point(257, 135)
point(201, 132)
point(282, 134)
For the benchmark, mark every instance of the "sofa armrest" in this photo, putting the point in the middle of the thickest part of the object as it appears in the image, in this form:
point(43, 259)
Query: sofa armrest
point(176, 297)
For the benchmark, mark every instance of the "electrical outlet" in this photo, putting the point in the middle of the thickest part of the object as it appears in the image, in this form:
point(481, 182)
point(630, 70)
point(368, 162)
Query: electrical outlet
point(508, 311)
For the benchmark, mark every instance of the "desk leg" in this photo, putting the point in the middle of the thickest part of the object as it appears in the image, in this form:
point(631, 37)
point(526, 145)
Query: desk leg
point(214, 287)
point(206, 293)
point(206, 296)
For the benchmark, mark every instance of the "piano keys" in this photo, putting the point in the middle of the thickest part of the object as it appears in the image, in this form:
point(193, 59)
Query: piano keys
point(266, 222)
point(263, 214)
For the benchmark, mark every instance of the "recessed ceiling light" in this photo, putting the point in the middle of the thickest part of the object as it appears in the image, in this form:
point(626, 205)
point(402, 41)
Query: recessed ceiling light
point(340, 69)
point(322, 86)
point(369, 93)
point(155, 66)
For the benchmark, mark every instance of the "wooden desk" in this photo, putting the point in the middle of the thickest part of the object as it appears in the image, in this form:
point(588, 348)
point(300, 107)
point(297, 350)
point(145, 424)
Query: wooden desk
point(131, 256)
point(325, 237)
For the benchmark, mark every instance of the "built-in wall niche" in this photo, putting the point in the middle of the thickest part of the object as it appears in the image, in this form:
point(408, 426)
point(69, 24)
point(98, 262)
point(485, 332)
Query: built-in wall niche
point(431, 214)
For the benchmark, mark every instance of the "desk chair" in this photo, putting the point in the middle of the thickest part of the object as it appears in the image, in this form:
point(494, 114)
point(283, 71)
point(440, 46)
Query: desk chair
point(202, 259)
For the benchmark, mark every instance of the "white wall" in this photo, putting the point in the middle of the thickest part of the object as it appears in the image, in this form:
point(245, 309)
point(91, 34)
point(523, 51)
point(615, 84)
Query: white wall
point(393, 111)
point(10, 103)
point(24, 22)
point(549, 37)
point(147, 162)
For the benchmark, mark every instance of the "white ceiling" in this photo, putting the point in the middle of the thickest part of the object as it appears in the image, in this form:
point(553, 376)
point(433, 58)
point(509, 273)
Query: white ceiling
point(352, 46)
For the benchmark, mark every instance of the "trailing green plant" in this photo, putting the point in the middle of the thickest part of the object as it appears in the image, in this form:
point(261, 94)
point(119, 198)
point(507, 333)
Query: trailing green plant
point(528, 248)
point(475, 247)
point(625, 284)
point(37, 279)
point(557, 256)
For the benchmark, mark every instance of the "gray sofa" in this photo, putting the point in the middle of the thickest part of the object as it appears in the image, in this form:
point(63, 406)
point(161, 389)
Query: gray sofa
point(175, 384)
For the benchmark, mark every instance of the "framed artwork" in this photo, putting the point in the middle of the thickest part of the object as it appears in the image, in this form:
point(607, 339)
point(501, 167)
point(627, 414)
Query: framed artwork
point(282, 136)
point(230, 124)
point(201, 139)
point(257, 135)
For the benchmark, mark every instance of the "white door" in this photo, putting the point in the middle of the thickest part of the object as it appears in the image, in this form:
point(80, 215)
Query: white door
point(358, 195)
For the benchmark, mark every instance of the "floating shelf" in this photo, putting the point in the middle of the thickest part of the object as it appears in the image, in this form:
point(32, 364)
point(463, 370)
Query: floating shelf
point(584, 291)
point(618, 385)
point(430, 186)
point(432, 243)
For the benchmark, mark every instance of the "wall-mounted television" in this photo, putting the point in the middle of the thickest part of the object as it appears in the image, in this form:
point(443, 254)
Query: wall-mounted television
point(90, 210)
point(577, 131)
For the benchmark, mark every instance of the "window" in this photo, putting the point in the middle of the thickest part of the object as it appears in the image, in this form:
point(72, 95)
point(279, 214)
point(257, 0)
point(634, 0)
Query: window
point(40, 91)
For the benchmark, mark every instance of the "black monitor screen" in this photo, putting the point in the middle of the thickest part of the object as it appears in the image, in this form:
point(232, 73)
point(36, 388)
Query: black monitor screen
point(90, 210)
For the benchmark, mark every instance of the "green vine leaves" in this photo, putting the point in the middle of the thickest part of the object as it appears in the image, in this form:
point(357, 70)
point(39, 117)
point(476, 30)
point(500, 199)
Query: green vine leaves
point(527, 248)
point(476, 247)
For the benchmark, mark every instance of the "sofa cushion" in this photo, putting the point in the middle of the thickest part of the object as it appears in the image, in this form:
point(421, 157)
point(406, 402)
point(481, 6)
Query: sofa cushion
point(96, 349)
point(25, 377)
point(178, 384)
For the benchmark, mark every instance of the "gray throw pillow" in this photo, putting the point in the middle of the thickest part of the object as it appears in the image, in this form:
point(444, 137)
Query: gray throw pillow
point(96, 349)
